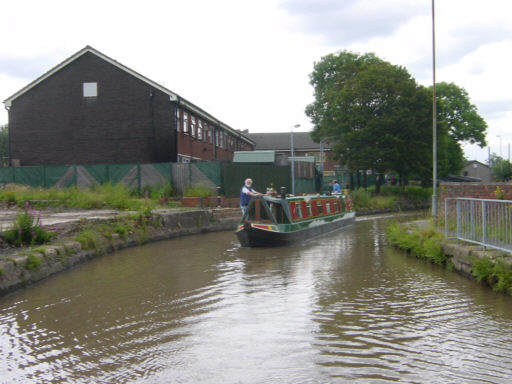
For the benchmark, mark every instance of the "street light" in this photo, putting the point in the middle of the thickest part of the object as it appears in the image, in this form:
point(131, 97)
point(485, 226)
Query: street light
point(291, 152)
point(434, 117)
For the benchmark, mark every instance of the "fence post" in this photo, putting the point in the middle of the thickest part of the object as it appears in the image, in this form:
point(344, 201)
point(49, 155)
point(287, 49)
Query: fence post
point(139, 182)
point(75, 181)
point(484, 226)
point(446, 218)
point(472, 214)
point(458, 220)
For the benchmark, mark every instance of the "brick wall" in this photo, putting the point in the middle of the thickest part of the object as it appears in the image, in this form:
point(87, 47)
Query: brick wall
point(128, 122)
point(473, 190)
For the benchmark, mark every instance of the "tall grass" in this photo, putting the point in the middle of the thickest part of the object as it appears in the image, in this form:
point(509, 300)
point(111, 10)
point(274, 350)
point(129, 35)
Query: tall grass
point(116, 196)
point(199, 190)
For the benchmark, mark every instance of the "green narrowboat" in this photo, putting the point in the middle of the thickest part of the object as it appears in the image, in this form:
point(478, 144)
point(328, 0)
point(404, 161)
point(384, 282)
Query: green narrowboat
point(272, 221)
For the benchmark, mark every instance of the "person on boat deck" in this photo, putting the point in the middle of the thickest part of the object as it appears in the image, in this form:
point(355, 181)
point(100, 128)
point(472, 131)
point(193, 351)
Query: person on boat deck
point(246, 193)
point(336, 187)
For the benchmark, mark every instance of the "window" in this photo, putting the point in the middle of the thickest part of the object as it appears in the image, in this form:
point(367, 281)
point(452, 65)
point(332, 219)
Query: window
point(193, 126)
point(90, 89)
point(185, 122)
point(200, 130)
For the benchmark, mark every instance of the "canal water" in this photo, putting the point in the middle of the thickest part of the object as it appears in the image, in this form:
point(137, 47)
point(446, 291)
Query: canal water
point(345, 307)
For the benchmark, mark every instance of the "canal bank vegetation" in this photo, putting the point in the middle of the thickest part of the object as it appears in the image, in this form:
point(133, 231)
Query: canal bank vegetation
point(115, 196)
point(425, 242)
point(391, 198)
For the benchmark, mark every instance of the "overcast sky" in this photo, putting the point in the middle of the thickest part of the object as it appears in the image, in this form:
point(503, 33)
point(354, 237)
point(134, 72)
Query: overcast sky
point(248, 62)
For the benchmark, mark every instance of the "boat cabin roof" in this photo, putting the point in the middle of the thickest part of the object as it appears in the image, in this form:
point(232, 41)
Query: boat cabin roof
point(267, 209)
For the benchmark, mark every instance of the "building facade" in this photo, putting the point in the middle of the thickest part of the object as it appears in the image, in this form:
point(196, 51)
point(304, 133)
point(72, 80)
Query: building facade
point(90, 109)
point(303, 146)
point(478, 170)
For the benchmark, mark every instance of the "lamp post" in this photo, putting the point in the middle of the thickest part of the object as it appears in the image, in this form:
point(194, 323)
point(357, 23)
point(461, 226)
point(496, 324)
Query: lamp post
point(291, 158)
point(434, 117)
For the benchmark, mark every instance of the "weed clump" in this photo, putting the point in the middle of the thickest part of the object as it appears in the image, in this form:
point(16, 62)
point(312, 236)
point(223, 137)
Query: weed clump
point(423, 243)
point(27, 229)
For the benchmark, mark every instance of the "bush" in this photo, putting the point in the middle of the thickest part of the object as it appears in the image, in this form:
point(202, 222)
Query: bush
point(33, 262)
point(423, 243)
point(199, 190)
point(495, 274)
point(27, 229)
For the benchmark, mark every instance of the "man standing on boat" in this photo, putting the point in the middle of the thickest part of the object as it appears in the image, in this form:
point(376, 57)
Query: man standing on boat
point(336, 187)
point(246, 193)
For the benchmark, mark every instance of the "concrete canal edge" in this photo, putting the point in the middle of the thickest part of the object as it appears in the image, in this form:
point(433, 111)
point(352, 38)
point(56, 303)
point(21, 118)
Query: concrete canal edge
point(463, 255)
point(17, 272)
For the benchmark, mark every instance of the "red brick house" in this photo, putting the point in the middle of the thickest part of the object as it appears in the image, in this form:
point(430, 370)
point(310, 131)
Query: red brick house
point(91, 109)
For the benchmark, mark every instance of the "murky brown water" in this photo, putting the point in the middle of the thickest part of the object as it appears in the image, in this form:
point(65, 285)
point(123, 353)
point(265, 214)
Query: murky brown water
point(341, 308)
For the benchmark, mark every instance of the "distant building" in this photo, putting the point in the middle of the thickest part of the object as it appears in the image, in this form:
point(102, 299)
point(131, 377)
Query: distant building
point(303, 145)
point(478, 170)
point(90, 109)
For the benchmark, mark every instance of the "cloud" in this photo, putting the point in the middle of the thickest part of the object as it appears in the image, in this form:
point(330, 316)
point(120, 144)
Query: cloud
point(341, 23)
point(27, 68)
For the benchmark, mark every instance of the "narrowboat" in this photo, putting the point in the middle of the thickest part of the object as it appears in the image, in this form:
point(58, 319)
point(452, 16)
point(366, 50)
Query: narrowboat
point(272, 221)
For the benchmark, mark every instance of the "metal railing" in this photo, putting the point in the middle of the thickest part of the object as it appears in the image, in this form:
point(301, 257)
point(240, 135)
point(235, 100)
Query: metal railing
point(480, 221)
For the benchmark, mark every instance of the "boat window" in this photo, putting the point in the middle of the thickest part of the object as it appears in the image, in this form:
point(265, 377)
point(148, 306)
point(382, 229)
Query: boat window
point(309, 209)
point(298, 211)
point(336, 205)
point(320, 207)
point(257, 212)
point(278, 213)
point(327, 207)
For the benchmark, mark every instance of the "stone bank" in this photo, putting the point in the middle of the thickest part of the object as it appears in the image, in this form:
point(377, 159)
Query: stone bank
point(18, 272)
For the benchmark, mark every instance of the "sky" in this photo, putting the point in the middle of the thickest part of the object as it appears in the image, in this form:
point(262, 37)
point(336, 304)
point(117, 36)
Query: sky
point(248, 62)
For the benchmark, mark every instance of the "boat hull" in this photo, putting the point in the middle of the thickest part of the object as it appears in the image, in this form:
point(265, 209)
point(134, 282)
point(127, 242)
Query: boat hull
point(251, 236)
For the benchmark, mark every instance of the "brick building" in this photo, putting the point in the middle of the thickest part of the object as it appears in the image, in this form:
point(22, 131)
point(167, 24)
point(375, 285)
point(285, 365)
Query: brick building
point(303, 145)
point(90, 109)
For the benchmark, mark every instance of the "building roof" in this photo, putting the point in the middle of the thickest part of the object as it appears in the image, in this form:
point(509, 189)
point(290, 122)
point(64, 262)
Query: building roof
point(254, 157)
point(174, 97)
point(281, 141)
point(470, 162)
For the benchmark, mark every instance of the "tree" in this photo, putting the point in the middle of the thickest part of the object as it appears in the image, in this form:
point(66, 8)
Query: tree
point(461, 117)
point(501, 168)
point(373, 114)
point(457, 121)
point(4, 143)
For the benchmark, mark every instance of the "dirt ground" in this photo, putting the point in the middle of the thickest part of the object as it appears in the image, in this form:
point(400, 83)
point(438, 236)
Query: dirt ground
point(52, 217)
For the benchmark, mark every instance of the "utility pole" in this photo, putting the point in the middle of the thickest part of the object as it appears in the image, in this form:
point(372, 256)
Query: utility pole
point(434, 117)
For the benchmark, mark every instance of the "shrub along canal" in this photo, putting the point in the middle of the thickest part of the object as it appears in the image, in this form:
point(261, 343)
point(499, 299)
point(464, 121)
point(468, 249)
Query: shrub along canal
point(345, 307)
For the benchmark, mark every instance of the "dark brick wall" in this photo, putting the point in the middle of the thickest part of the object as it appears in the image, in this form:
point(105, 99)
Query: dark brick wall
point(127, 123)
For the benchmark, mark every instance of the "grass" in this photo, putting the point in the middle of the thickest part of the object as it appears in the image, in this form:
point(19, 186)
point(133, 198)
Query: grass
point(115, 196)
point(199, 190)
point(423, 243)
point(27, 229)
point(366, 199)
point(494, 273)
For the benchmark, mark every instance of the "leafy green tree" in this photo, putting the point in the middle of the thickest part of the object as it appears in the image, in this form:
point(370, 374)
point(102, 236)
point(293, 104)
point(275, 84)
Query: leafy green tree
point(4, 143)
point(373, 113)
point(501, 169)
point(461, 117)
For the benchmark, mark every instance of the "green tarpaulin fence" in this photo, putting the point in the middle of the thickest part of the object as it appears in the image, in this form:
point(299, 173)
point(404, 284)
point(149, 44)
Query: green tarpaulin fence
point(229, 176)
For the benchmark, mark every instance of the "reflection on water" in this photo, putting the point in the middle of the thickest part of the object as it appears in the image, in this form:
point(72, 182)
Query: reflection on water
point(344, 307)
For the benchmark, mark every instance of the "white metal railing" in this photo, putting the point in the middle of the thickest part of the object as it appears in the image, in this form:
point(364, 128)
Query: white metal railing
point(480, 221)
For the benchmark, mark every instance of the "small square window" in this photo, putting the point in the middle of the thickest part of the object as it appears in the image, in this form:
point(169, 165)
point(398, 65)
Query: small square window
point(90, 89)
